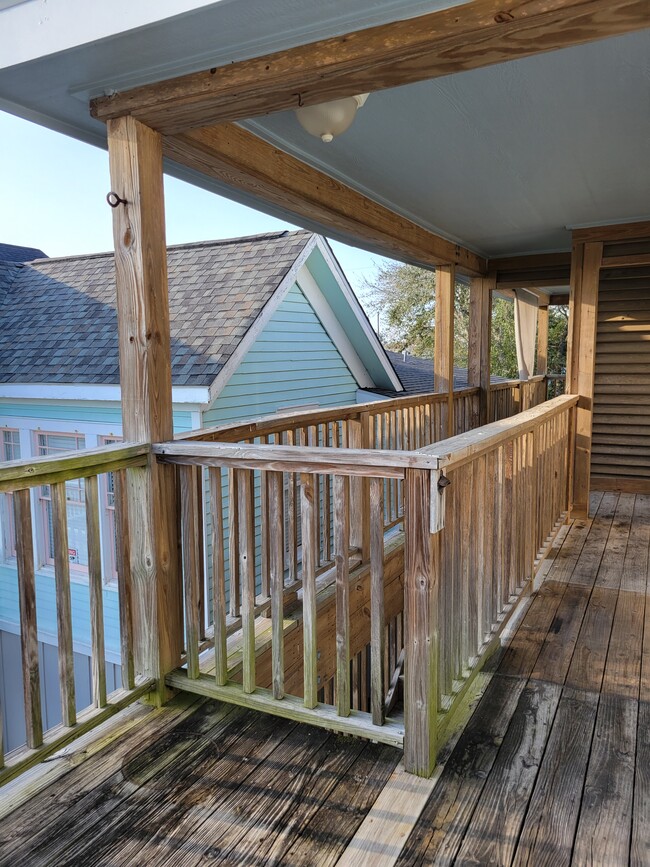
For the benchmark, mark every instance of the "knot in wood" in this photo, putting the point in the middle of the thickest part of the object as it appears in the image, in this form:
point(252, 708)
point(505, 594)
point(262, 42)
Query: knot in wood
point(504, 17)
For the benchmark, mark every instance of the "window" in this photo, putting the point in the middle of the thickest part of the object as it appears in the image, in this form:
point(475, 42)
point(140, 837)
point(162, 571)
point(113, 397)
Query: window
point(54, 444)
point(9, 451)
point(110, 529)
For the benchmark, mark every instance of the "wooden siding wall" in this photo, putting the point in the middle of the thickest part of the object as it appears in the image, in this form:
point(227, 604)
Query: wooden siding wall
point(620, 457)
point(292, 363)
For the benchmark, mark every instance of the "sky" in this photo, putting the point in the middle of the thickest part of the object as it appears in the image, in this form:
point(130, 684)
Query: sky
point(53, 197)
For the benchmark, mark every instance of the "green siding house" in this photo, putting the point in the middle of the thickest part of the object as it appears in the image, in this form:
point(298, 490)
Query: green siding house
point(259, 325)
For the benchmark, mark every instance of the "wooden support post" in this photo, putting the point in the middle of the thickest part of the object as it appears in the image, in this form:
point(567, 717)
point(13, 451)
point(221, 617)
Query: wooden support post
point(359, 438)
point(480, 336)
point(583, 316)
point(135, 154)
point(421, 579)
point(443, 360)
point(542, 341)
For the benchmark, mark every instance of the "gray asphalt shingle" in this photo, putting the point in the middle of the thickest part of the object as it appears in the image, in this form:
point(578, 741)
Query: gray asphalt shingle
point(58, 321)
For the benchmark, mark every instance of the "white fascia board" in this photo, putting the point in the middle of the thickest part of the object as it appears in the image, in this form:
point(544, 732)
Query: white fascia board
point(59, 25)
point(247, 341)
point(361, 317)
point(331, 324)
point(181, 394)
point(367, 395)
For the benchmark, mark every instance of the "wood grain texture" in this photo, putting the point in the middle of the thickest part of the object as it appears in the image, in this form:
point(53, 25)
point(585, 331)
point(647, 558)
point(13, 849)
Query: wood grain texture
point(479, 342)
point(377, 608)
point(341, 554)
point(135, 159)
point(95, 591)
point(471, 36)
point(63, 603)
point(246, 553)
point(309, 614)
point(244, 161)
point(218, 576)
point(28, 625)
point(421, 578)
point(191, 576)
point(124, 582)
point(276, 565)
point(443, 361)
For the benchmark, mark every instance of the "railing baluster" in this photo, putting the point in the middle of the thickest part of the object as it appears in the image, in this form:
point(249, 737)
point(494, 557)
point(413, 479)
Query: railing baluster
point(95, 590)
point(124, 581)
point(275, 492)
point(63, 603)
point(28, 628)
point(292, 518)
point(191, 555)
point(310, 660)
point(377, 601)
point(245, 496)
point(341, 549)
point(233, 539)
point(218, 577)
point(264, 532)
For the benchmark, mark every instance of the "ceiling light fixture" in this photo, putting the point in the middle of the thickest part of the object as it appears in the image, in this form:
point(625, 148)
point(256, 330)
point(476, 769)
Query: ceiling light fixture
point(329, 119)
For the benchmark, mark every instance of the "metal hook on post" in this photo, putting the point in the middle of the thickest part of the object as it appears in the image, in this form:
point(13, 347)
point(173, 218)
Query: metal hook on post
point(114, 200)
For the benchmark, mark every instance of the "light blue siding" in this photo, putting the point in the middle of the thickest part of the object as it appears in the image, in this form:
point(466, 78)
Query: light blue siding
point(293, 362)
point(104, 414)
point(46, 609)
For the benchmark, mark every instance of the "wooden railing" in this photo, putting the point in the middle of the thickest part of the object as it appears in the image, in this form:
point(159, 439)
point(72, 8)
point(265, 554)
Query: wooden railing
point(50, 476)
point(316, 557)
point(555, 385)
point(514, 396)
point(502, 498)
point(507, 496)
point(318, 616)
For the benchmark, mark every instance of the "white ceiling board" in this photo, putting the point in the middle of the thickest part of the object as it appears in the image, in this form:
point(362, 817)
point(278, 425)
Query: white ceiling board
point(500, 159)
point(504, 157)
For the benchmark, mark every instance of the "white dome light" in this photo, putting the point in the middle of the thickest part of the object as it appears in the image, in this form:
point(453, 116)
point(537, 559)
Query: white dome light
point(329, 119)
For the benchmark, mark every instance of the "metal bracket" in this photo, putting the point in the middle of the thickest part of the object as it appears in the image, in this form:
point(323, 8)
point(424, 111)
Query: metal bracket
point(114, 200)
point(439, 485)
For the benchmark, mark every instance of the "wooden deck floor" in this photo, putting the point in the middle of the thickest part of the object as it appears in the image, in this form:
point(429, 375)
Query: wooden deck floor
point(553, 767)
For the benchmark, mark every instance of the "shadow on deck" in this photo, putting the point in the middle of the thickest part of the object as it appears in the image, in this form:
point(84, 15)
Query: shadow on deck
point(553, 766)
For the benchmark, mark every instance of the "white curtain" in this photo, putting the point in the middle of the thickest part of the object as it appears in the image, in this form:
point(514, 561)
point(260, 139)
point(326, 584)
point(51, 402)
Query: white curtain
point(526, 305)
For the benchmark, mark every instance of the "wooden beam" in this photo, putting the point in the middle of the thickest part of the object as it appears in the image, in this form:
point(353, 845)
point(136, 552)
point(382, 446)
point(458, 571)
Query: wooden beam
point(243, 161)
point(135, 154)
point(480, 336)
point(583, 317)
point(443, 355)
point(470, 36)
point(616, 232)
point(531, 262)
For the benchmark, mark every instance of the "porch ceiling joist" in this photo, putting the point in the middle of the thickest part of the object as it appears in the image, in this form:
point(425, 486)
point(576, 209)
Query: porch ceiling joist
point(241, 160)
point(477, 34)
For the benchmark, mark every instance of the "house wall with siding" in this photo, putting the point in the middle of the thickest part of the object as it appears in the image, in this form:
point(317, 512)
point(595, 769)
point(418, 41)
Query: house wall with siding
point(93, 420)
point(293, 362)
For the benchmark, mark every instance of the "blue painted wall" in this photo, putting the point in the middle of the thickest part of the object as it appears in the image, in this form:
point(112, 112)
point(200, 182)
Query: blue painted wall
point(293, 362)
point(84, 411)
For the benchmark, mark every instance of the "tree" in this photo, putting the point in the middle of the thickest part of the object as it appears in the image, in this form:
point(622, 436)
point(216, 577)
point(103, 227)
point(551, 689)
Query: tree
point(404, 296)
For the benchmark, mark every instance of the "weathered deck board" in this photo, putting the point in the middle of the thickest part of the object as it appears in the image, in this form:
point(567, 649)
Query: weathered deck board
point(552, 768)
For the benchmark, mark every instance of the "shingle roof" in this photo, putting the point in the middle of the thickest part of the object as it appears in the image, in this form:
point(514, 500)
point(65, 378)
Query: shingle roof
point(11, 253)
point(416, 374)
point(58, 321)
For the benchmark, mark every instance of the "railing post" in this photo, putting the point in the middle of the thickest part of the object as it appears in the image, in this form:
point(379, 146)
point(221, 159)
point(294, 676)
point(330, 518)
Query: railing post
point(359, 437)
point(480, 335)
point(443, 364)
point(421, 580)
point(135, 153)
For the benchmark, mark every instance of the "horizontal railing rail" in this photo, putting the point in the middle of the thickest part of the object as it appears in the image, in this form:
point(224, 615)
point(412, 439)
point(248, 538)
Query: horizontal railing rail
point(416, 420)
point(70, 482)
